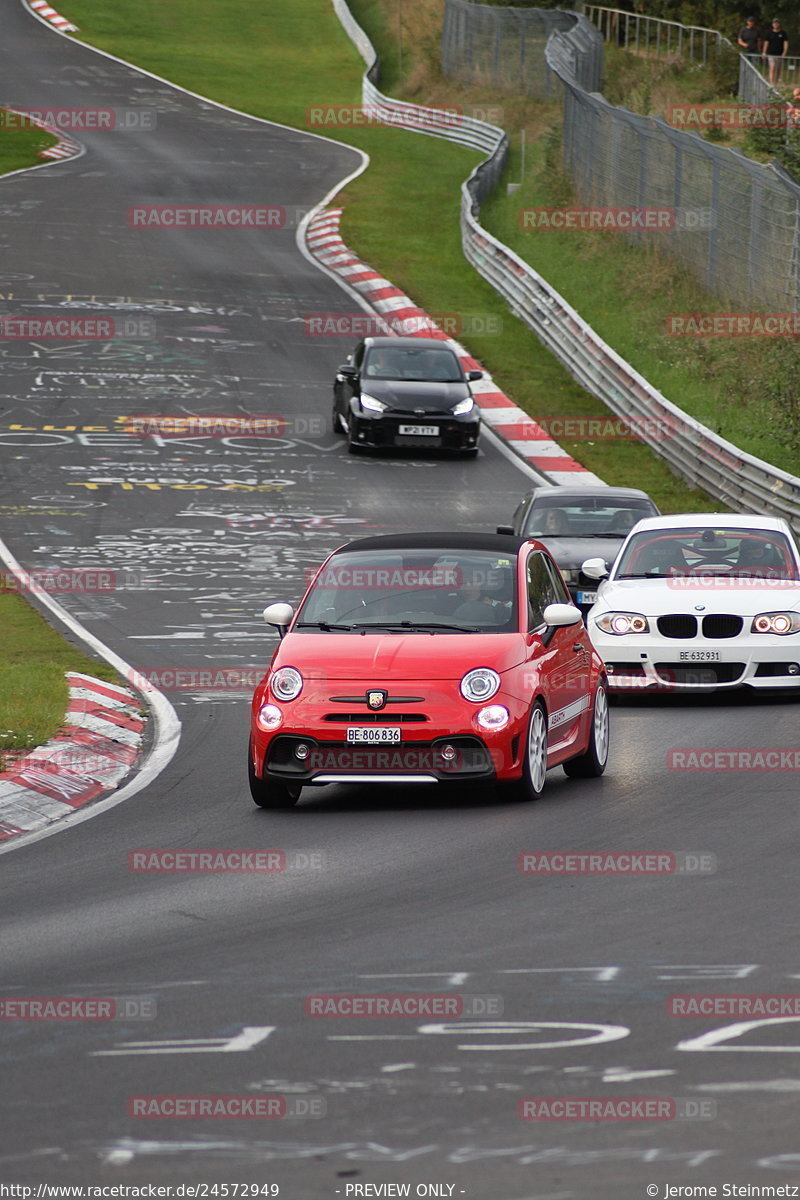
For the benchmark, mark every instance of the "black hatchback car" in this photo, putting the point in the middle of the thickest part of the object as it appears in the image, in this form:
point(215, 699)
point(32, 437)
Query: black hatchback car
point(580, 523)
point(406, 392)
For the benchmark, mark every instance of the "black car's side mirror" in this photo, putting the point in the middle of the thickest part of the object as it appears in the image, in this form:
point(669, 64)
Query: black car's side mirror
point(347, 370)
point(506, 529)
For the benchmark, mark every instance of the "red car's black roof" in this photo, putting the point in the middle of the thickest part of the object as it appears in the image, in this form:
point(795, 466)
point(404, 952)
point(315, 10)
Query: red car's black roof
point(497, 543)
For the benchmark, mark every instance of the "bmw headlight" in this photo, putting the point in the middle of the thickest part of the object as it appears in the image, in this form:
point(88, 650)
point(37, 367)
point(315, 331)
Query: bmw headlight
point(464, 406)
point(480, 684)
point(620, 623)
point(776, 622)
point(286, 683)
point(371, 404)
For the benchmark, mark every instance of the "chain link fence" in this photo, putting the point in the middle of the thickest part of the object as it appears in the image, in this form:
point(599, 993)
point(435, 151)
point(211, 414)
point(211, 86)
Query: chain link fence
point(737, 223)
point(737, 227)
point(504, 48)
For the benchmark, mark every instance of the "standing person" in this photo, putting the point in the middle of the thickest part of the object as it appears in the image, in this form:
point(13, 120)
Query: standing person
point(776, 47)
point(748, 37)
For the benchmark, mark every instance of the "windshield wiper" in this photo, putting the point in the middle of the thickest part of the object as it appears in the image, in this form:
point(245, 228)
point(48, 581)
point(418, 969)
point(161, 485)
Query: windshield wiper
point(405, 626)
point(326, 625)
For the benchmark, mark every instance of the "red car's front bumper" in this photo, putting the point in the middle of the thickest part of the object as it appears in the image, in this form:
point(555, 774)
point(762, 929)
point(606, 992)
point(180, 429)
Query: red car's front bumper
point(440, 742)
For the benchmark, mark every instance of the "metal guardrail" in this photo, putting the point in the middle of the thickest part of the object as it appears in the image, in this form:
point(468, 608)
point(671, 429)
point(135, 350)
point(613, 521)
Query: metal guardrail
point(753, 87)
point(739, 480)
point(668, 39)
point(640, 33)
point(704, 459)
point(435, 122)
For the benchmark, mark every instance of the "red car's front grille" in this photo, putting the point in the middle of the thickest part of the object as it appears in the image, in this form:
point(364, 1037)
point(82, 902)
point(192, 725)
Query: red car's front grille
point(381, 718)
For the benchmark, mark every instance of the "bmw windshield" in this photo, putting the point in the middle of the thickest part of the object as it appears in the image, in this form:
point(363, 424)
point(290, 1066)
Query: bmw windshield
point(663, 553)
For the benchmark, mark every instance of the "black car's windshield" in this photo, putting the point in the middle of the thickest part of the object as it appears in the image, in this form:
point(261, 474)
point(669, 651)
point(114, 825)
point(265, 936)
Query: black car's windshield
point(428, 363)
point(585, 518)
point(704, 551)
point(445, 591)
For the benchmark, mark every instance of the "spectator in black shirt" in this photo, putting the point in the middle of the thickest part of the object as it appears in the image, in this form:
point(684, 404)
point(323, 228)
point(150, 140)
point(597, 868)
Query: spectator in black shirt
point(776, 47)
point(748, 37)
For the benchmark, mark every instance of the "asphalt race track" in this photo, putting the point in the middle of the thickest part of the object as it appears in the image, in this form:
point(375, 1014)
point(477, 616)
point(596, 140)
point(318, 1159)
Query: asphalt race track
point(398, 891)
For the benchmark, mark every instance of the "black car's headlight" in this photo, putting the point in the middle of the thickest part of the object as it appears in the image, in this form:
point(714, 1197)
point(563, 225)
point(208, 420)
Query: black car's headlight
point(464, 406)
point(371, 404)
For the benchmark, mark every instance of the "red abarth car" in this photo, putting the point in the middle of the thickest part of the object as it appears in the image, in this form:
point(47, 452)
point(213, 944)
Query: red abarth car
point(429, 658)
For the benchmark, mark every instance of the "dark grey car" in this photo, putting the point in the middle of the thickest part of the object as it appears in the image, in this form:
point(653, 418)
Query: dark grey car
point(580, 523)
point(406, 392)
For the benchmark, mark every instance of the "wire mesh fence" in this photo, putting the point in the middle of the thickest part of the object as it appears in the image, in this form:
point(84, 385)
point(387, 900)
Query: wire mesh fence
point(504, 47)
point(736, 223)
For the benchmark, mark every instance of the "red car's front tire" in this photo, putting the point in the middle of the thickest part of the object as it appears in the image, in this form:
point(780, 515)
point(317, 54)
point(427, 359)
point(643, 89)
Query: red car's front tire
point(534, 762)
point(592, 762)
point(269, 793)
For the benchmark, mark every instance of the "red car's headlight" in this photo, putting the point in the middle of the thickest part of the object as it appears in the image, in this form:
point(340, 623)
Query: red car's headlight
point(480, 684)
point(286, 683)
point(493, 717)
point(269, 717)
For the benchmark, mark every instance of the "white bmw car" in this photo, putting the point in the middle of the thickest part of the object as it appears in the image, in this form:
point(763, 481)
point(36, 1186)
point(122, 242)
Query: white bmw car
point(700, 600)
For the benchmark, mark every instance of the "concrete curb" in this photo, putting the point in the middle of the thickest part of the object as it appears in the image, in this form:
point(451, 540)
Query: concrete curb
point(402, 317)
point(92, 753)
point(43, 9)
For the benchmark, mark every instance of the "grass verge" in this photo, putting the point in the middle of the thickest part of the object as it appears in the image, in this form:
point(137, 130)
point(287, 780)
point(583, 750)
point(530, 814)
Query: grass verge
point(33, 691)
point(21, 147)
point(33, 657)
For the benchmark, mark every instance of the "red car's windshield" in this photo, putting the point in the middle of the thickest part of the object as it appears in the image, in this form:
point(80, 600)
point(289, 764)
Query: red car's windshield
point(459, 589)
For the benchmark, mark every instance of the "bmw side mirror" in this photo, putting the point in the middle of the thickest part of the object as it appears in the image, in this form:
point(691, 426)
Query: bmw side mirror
point(280, 615)
point(506, 529)
point(561, 614)
point(595, 568)
point(474, 375)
